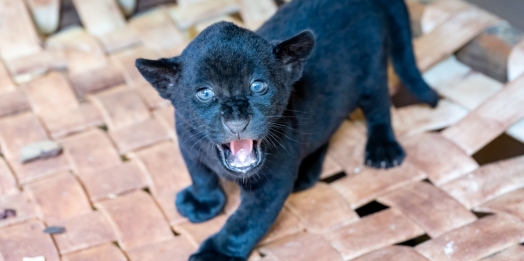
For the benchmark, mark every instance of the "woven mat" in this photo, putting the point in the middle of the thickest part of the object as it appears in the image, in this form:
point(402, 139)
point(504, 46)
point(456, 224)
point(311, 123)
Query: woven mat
point(112, 188)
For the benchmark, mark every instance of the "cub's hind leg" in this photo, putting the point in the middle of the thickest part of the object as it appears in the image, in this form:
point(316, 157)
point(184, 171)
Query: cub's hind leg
point(382, 149)
point(310, 169)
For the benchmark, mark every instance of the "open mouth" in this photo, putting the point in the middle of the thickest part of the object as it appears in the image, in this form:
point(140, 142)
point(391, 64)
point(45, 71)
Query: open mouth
point(240, 155)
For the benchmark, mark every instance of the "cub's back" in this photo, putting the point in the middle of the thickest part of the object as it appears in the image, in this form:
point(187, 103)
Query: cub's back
point(338, 25)
point(349, 34)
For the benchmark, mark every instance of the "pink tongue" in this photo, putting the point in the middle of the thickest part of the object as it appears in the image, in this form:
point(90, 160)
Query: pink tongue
point(246, 145)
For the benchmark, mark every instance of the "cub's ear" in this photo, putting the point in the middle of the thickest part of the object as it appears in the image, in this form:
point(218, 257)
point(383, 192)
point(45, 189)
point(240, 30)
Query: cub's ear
point(161, 74)
point(294, 52)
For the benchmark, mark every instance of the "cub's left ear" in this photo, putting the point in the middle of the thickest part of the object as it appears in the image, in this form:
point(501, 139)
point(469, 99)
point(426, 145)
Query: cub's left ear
point(294, 52)
point(161, 74)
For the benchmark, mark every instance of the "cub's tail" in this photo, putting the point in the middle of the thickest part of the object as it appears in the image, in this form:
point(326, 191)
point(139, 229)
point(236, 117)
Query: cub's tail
point(401, 51)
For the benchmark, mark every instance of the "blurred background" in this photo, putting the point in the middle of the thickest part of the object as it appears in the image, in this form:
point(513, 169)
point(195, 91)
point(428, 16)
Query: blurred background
point(507, 9)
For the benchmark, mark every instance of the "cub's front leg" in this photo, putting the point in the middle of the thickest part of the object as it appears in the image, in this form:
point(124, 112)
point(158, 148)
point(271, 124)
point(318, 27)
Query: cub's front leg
point(382, 148)
point(260, 206)
point(204, 199)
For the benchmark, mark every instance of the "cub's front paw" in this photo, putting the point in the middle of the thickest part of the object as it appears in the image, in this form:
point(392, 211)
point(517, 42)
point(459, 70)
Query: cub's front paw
point(385, 154)
point(212, 255)
point(200, 209)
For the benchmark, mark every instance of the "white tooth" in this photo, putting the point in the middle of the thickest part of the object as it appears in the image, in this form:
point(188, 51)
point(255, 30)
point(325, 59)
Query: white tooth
point(242, 155)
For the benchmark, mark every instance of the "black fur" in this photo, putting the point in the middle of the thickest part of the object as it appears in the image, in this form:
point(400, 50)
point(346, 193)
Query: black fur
point(320, 59)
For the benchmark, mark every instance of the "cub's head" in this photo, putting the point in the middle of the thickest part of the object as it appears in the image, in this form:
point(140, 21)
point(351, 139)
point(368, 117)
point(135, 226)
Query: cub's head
point(232, 85)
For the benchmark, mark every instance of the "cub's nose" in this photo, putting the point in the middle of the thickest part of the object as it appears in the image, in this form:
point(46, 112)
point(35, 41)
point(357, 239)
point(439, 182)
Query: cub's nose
point(236, 126)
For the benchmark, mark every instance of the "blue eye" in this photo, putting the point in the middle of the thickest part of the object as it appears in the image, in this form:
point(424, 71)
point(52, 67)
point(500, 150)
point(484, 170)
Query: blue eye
point(205, 94)
point(258, 87)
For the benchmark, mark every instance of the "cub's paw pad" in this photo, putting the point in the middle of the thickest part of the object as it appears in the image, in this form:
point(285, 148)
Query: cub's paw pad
point(211, 255)
point(199, 209)
point(384, 155)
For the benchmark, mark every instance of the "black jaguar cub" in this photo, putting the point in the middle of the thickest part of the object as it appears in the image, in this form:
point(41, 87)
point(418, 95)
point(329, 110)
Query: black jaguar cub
point(259, 108)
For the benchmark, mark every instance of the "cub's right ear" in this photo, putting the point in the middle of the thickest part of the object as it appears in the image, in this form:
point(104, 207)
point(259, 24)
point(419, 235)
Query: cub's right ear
point(294, 52)
point(161, 74)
